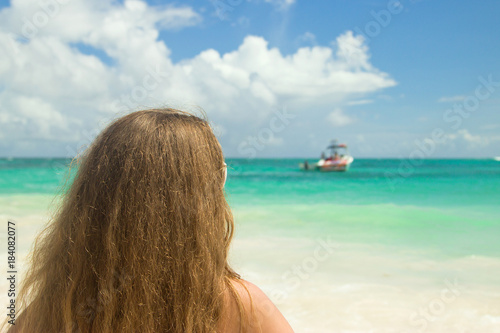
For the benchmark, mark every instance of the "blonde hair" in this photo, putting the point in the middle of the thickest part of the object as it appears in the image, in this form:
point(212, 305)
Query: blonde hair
point(140, 243)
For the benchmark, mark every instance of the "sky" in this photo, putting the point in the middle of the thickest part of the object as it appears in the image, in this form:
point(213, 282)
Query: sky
point(406, 79)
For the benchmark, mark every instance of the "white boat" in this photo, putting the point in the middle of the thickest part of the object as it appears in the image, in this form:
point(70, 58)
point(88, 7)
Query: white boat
point(339, 159)
point(497, 158)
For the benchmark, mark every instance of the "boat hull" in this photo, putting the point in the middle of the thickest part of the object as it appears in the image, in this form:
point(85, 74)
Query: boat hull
point(337, 165)
point(340, 165)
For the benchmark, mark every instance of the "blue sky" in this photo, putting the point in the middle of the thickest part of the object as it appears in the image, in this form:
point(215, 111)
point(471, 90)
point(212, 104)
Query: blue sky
point(379, 75)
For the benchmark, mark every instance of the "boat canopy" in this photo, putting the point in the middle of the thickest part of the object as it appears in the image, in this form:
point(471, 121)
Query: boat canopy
point(342, 145)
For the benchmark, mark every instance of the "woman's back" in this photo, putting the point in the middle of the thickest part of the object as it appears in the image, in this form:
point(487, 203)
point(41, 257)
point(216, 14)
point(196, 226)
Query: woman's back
point(141, 240)
point(261, 315)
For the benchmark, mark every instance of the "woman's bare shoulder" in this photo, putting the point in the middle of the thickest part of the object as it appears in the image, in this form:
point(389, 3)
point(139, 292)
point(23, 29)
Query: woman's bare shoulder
point(263, 315)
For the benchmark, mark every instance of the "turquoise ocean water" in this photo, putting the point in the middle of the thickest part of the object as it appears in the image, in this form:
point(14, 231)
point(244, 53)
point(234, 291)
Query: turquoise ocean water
point(448, 205)
point(402, 233)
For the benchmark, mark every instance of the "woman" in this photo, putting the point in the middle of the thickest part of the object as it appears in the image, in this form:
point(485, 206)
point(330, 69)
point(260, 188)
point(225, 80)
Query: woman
point(141, 240)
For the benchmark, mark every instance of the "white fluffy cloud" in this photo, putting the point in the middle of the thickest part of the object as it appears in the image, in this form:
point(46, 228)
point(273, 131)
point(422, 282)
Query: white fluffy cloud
point(464, 137)
point(281, 4)
point(451, 99)
point(50, 90)
point(278, 4)
point(306, 38)
point(338, 119)
point(360, 102)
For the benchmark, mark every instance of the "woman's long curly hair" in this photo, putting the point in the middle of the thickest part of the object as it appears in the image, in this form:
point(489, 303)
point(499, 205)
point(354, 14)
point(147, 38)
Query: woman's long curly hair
point(140, 242)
